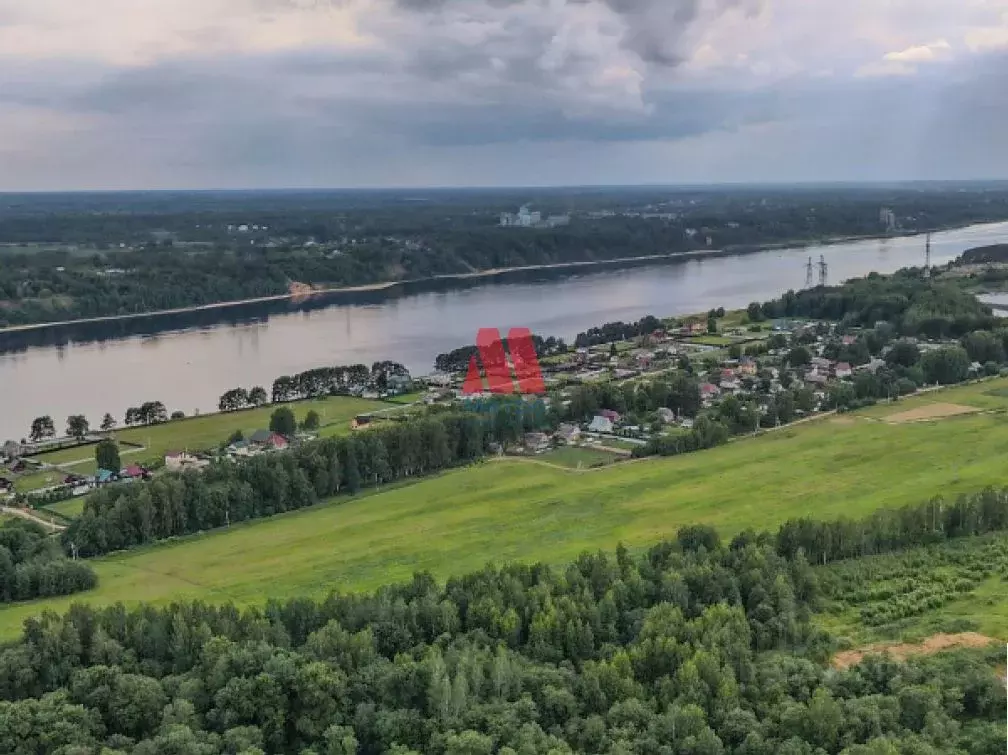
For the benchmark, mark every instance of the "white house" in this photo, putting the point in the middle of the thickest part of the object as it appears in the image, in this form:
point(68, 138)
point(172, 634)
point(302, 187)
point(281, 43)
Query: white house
point(601, 425)
point(177, 461)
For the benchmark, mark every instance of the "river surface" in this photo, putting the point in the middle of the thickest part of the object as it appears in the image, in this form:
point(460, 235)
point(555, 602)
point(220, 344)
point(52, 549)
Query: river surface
point(189, 369)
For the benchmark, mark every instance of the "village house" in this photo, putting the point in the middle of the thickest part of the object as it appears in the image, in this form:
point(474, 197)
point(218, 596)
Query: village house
point(537, 443)
point(241, 448)
point(268, 441)
point(748, 366)
point(601, 424)
point(815, 378)
point(686, 423)
point(709, 391)
point(848, 340)
point(105, 476)
point(873, 366)
point(693, 328)
point(568, 433)
point(360, 421)
point(83, 487)
point(178, 461)
point(843, 370)
point(610, 415)
point(132, 473)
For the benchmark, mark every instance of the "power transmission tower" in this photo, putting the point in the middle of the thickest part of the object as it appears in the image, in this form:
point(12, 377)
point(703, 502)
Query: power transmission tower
point(808, 274)
point(927, 257)
point(823, 271)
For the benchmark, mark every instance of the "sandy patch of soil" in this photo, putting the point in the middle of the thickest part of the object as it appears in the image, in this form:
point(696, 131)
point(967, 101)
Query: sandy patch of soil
point(933, 644)
point(930, 411)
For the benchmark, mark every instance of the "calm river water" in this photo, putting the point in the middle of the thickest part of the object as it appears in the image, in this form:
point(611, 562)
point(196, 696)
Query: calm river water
point(189, 369)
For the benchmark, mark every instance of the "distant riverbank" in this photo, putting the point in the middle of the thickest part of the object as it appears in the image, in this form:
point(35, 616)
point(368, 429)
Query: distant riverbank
point(110, 366)
point(331, 295)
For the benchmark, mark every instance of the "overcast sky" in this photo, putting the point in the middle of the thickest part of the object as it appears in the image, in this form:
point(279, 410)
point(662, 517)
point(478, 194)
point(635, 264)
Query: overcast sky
point(112, 94)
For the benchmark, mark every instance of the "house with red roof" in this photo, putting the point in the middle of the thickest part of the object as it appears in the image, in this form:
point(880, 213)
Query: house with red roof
point(133, 472)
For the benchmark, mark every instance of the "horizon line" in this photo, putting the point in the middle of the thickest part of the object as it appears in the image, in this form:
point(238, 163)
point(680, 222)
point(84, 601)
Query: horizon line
point(867, 183)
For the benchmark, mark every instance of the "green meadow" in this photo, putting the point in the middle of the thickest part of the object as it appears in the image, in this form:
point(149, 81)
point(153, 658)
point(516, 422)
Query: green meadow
point(516, 509)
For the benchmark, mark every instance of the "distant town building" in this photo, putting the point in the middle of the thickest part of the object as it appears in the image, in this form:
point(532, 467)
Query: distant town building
point(523, 219)
point(887, 218)
point(526, 218)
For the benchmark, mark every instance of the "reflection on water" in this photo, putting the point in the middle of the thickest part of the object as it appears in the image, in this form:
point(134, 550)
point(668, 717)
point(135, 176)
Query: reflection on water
point(190, 367)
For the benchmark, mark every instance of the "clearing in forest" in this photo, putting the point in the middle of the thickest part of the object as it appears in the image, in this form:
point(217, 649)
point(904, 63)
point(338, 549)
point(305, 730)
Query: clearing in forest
point(930, 411)
point(900, 652)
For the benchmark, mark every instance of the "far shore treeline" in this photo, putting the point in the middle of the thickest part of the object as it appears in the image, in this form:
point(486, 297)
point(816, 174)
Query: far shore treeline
point(78, 257)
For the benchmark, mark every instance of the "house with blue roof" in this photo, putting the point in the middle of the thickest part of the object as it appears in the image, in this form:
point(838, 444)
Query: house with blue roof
point(106, 476)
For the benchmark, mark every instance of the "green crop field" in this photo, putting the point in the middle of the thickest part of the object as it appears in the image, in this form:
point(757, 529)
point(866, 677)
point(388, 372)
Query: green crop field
point(209, 430)
point(952, 587)
point(518, 509)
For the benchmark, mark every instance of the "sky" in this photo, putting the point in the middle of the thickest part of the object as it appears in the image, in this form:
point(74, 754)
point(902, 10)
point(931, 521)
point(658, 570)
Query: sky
point(158, 94)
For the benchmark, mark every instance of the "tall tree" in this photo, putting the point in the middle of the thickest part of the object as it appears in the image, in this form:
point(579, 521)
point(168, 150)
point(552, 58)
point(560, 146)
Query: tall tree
point(258, 396)
point(42, 427)
point(77, 426)
point(107, 455)
point(108, 422)
point(282, 421)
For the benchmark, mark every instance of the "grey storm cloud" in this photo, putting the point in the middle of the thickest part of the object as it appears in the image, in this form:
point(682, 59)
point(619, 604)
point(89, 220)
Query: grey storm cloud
point(528, 88)
point(653, 28)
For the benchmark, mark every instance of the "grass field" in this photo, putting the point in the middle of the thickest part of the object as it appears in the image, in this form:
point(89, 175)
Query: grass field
point(209, 430)
point(29, 482)
point(574, 457)
point(66, 509)
point(986, 395)
point(516, 509)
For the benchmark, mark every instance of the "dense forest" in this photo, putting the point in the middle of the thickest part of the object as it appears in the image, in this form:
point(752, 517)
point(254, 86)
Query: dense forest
point(32, 565)
point(696, 646)
point(931, 309)
point(77, 256)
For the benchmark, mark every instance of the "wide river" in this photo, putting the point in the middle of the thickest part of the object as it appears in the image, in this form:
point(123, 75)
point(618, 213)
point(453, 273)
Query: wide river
point(189, 369)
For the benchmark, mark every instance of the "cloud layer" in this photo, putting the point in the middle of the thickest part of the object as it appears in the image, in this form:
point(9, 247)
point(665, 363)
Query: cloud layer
point(236, 93)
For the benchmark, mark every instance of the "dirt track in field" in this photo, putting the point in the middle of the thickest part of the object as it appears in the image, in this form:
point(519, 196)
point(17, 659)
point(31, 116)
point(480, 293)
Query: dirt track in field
point(930, 411)
point(933, 644)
